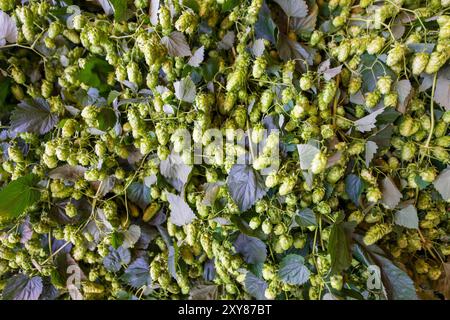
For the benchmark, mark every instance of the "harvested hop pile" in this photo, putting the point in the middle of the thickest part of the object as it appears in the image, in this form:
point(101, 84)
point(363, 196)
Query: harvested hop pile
point(224, 149)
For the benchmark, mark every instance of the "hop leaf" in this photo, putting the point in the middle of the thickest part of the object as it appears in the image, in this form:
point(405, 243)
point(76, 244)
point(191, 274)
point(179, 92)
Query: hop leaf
point(116, 259)
point(246, 186)
point(353, 187)
point(306, 153)
point(294, 8)
point(197, 57)
point(258, 47)
point(176, 44)
point(180, 212)
point(8, 29)
point(442, 184)
point(292, 270)
point(391, 194)
point(442, 93)
point(33, 116)
point(21, 287)
point(227, 41)
point(252, 249)
point(407, 217)
point(154, 7)
point(139, 193)
point(18, 195)
point(175, 170)
point(255, 286)
point(137, 274)
point(185, 90)
point(119, 8)
point(367, 123)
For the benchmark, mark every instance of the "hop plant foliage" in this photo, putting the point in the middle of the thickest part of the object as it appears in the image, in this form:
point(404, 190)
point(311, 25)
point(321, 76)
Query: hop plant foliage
point(342, 110)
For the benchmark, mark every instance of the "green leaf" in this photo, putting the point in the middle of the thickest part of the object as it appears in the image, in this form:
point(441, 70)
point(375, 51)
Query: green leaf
point(306, 218)
point(4, 90)
point(106, 119)
point(396, 282)
point(404, 91)
point(193, 4)
point(442, 184)
point(21, 287)
point(293, 270)
point(422, 184)
point(289, 49)
point(246, 186)
point(227, 41)
point(137, 274)
point(389, 115)
point(442, 92)
point(197, 57)
point(383, 136)
point(176, 44)
point(373, 68)
point(368, 122)
point(353, 187)
point(256, 269)
point(371, 149)
point(139, 193)
point(185, 90)
point(391, 194)
point(112, 95)
point(116, 240)
point(255, 286)
point(306, 24)
point(407, 217)
point(180, 212)
point(265, 27)
point(243, 226)
point(294, 8)
point(175, 170)
point(306, 154)
point(204, 292)
point(116, 258)
point(120, 9)
point(172, 260)
point(229, 5)
point(339, 246)
point(422, 47)
point(210, 68)
point(252, 249)
point(95, 72)
point(131, 236)
point(18, 195)
point(33, 116)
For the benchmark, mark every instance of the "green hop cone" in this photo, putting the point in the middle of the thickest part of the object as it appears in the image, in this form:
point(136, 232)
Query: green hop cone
point(372, 98)
point(375, 45)
point(354, 85)
point(319, 163)
point(419, 63)
point(384, 84)
point(436, 61)
point(376, 233)
point(396, 55)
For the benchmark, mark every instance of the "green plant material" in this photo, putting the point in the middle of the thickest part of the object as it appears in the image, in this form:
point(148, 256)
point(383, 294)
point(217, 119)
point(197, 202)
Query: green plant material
point(18, 195)
point(224, 149)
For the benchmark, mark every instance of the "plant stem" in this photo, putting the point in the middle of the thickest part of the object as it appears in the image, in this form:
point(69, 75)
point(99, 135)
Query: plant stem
point(430, 134)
